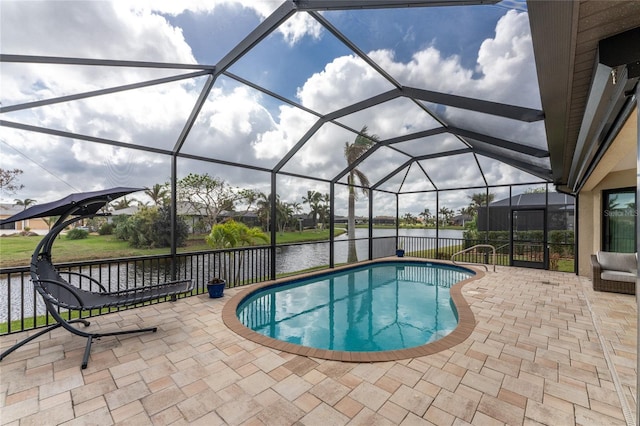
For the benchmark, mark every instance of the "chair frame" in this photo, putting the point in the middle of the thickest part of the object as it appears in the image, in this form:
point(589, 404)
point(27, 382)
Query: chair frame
point(48, 282)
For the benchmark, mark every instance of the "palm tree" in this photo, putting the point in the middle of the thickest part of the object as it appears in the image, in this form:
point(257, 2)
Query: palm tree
point(24, 203)
point(231, 234)
point(313, 198)
point(159, 194)
point(263, 206)
point(409, 219)
point(353, 152)
point(426, 215)
point(446, 213)
point(123, 203)
point(478, 200)
point(284, 212)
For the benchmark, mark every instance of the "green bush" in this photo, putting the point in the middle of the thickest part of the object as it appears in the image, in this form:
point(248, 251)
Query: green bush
point(151, 227)
point(106, 229)
point(77, 234)
point(161, 229)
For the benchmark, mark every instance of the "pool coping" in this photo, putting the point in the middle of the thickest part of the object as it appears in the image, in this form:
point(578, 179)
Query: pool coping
point(466, 320)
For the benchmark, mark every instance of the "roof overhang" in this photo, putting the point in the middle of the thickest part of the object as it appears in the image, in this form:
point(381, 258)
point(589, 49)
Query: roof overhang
point(588, 62)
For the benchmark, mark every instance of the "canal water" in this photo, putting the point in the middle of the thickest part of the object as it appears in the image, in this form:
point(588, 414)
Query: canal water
point(300, 257)
point(291, 258)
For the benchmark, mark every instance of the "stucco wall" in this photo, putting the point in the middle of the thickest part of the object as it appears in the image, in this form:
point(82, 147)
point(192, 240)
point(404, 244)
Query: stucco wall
point(590, 214)
point(617, 169)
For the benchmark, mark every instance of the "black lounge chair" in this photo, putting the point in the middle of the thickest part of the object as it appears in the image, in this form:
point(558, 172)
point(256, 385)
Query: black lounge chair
point(59, 293)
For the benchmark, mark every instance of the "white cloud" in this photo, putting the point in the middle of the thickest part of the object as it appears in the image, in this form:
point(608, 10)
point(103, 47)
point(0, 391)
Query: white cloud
point(293, 30)
point(235, 124)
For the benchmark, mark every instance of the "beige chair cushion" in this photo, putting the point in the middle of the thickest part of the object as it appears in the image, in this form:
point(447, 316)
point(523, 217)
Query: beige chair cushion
point(623, 262)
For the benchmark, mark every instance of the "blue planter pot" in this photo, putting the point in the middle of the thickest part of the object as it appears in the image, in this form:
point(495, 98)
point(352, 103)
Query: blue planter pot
point(216, 289)
point(400, 253)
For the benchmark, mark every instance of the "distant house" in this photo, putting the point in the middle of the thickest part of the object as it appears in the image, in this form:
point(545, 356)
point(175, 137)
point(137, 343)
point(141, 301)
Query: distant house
point(461, 219)
point(39, 226)
point(560, 211)
point(384, 220)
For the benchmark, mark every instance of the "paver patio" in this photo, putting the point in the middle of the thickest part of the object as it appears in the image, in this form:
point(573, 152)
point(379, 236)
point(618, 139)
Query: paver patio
point(546, 350)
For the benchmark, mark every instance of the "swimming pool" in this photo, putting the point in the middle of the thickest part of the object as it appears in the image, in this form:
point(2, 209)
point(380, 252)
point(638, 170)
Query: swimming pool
point(383, 309)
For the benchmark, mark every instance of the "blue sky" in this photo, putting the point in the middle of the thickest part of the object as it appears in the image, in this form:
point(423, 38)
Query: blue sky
point(482, 51)
point(403, 31)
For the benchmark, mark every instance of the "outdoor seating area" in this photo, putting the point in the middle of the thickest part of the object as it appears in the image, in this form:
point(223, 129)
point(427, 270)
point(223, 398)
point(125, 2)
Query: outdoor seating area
point(616, 272)
point(546, 349)
point(307, 138)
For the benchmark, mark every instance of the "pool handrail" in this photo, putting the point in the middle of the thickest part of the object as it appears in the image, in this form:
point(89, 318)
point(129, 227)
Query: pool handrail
point(493, 249)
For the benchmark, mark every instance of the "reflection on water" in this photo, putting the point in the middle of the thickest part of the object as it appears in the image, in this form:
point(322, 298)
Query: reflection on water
point(382, 307)
point(298, 258)
point(18, 297)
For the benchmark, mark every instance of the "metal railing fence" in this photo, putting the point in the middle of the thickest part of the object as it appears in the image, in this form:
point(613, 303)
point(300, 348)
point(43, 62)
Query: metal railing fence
point(21, 309)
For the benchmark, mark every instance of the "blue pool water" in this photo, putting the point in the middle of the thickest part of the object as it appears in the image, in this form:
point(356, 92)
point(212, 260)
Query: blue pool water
point(379, 307)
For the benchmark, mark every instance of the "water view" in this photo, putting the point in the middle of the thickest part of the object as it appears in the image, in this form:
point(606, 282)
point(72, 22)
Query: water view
point(17, 300)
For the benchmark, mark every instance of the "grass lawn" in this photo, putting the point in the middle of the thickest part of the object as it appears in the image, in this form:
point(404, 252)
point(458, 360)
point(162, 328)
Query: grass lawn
point(17, 250)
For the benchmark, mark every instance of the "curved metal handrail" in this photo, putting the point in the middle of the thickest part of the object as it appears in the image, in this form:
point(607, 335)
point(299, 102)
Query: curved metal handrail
point(493, 249)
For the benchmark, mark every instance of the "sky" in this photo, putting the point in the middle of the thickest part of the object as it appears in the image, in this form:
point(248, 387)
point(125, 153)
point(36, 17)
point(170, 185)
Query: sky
point(481, 51)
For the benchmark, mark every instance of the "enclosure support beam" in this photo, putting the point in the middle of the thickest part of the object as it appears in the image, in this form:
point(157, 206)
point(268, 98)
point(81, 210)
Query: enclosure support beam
point(332, 223)
point(637, 247)
point(370, 224)
point(437, 223)
point(174, 215)
point(272, 224)
point(398, 221)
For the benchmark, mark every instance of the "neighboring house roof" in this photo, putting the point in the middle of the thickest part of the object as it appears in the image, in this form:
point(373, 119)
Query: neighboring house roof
point(8, 210)
point(536, 199)
point(126, 211)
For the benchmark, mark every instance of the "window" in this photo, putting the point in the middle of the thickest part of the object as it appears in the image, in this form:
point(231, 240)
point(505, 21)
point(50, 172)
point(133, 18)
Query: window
point(7, 226)
point(619, 220)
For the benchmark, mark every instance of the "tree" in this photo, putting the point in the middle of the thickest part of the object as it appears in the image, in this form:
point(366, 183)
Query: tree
point(478, 200)
point(263, 205)
point(249, 197)
point(284, 214)
point(409, 219)
point(536, 190)
point(159, 194)
point(24, 203)
point(123, 203)
point(352, 152)
point(426, 216)
point(446, 214)
point(150, 227)
point(207, 196)
point(314, 199)
point(8, 181)
point(231, 234)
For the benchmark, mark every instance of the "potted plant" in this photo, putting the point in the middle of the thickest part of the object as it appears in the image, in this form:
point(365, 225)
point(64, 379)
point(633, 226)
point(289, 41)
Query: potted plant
point(216, 286)
point(400, 249)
